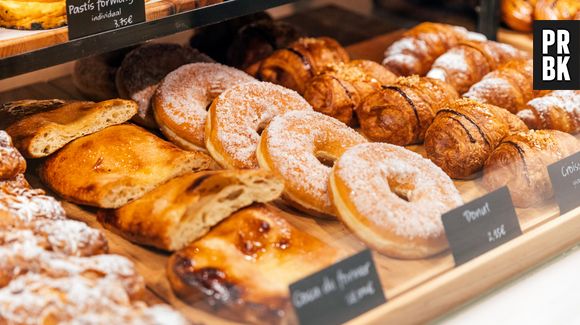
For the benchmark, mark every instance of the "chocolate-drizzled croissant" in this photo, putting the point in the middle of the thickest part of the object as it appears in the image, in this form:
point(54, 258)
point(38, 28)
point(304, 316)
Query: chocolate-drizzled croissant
point(467, 62)
point(341, 87)
point(401, 112)
point(558, 110)
point(520, 162)
point(294, 66)
point(465, 132)
point(415, 52)
point(510, 86)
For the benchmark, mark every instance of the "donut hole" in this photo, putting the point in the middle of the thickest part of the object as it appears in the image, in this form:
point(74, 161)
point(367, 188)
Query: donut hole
point(402, 190)
point(325, 158)
point(260, 128)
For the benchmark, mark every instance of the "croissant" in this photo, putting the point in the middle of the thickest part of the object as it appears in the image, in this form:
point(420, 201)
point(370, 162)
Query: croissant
point(558, 110)
point(520, 162)
point(401, 112)
point(294, 66)
point(465, 132)
point(518, 14)
point(467, 63)
point(418, 48)
point(509, 87)
point(556, 9)
point(340, 88)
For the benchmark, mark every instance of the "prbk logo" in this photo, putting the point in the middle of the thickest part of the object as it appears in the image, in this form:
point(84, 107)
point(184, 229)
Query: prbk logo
point(557, 54)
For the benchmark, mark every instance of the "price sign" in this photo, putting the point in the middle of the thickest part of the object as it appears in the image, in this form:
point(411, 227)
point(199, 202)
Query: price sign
point(565, 177)
point(338, 293)
point(87, 17)
point(481, 225)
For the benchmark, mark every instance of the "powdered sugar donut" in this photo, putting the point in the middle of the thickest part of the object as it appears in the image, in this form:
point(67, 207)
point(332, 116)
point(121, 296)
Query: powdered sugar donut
point(392, 199)
point(239, 114)
point(300, 147)
point(180, 103)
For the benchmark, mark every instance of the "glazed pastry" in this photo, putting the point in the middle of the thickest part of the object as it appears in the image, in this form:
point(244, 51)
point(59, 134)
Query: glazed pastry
point(518, 14)
point(32, 14)
point(509, 87)
point(469, 61)
point(11, 161)
point(256, 41)
point(300, 147)
point(556, 9)
point(121, 163)
point(94, 76)
point(236, 118)
point(180, 104)
point(42, 134)
point(558, 110)
point(18, 181)
point(341, 87)
point(144, 67)
point(13, 111)
point(393, 199)
point(401, 112)
point(293, 67)
point(418, 48)
point(465, 132)
point(185, 208)
point(254, 256)
point(521, 160)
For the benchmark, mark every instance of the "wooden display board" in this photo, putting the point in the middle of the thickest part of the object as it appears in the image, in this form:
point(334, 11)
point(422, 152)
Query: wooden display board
point(417, 290)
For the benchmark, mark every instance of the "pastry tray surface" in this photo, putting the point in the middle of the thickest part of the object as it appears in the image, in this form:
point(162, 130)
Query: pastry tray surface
point(417, 290)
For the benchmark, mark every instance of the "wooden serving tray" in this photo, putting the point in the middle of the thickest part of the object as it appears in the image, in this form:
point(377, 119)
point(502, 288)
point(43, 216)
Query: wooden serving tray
point(417, 290)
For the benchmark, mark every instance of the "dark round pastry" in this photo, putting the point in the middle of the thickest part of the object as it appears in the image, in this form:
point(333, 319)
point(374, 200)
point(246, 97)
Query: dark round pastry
point(258, 40)
point(214, 40)
point(143, 69)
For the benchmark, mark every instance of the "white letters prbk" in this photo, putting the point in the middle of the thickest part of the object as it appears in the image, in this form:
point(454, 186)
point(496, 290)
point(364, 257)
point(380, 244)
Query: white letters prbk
point(562, 68)
point(563, 41)
point(548, 68)
point(549, 39)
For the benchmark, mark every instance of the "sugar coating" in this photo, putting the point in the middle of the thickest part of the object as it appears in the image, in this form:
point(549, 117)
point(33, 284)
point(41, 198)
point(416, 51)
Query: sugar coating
point(567, 100)
point(185, 93)
point(242, 110)
point(371, 171)
point(30, 204)
point(452, 62)
point(292, 142)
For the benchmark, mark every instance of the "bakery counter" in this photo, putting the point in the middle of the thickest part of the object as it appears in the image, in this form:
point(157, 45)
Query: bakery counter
point(24, 51)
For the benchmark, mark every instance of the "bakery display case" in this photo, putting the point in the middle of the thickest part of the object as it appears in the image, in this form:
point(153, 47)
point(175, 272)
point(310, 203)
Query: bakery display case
point(278, 167)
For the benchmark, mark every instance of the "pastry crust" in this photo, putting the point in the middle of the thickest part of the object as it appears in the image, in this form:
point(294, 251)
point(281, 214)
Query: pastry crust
point(294, 66)
point(558, 110)
point(340, 88)
point(521, 160)
point(518, 14)
point(236, 118)
point(294, 147)
point(464, 133)
point(112, 167)
point(401, 112)
point(393, 199)
point(242, 268)
point(11, 112)
point(183, 209)
point(556, 9)
point(42, 134)
point(35, 14)
point(11, 161)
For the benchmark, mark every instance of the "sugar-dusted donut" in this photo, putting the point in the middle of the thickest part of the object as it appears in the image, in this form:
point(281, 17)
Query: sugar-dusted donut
point(300, 147)
point(236, 118)
point(392, 199)
point(180, 103)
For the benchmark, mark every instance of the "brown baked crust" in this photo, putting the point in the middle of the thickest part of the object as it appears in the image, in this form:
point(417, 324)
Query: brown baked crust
point(340, 88)
point(510, 86)
point(11, 112)
point(242, 268)
point(294, 66)
point(469, 61)
point(556, 9)
point(11, 161)
point(418, 47)
point(558, 110)
point(32, 15)
point(464, 133)
point(143, 69)
point(42, 134)
point(183, 209)
point(401, 112)
point(521, 160)
point(116, 165)
point(518, 14)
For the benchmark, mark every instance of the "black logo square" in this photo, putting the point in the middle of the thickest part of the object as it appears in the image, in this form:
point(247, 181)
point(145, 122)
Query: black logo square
point(557, 54)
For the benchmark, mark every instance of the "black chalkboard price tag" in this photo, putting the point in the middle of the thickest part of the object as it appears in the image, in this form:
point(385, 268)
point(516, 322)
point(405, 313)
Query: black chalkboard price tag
point(87, 17)
point(481, 225)
point(565, 177)
point(338, 293)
